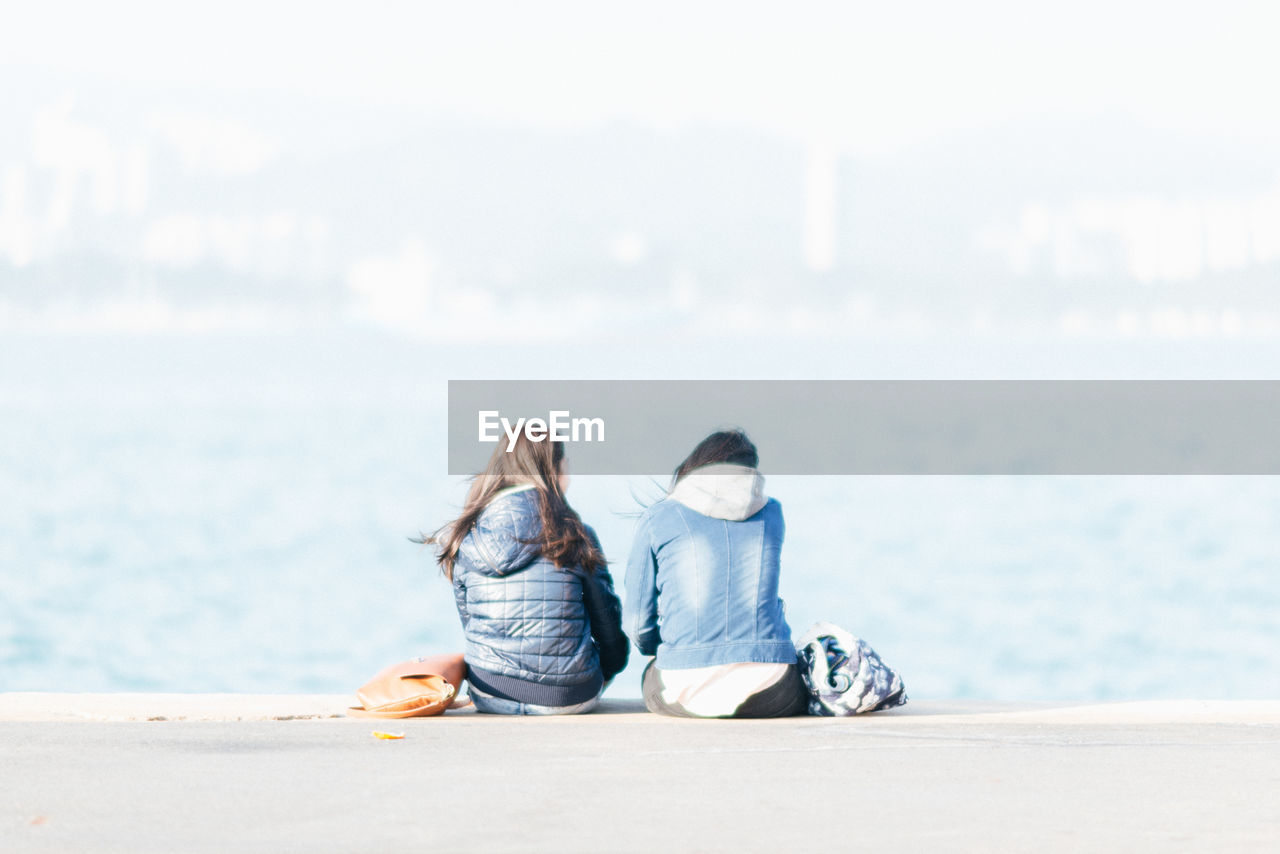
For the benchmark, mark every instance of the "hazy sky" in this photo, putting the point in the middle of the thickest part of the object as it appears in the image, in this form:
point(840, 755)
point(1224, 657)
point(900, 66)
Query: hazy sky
point(865, 76)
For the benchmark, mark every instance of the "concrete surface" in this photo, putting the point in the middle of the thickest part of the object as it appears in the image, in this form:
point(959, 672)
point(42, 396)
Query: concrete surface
point(277, 774)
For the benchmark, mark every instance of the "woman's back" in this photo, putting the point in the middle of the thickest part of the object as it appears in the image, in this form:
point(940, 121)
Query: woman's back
point(529, 624)
point(707, 559)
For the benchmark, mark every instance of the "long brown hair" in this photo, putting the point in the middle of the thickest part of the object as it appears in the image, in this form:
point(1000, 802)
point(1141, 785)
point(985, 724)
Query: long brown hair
point(563, 538)
point(722, 446)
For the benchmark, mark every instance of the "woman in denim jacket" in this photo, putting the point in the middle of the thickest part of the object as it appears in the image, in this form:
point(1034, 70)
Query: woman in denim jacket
point(543, 626)
point(702, 591)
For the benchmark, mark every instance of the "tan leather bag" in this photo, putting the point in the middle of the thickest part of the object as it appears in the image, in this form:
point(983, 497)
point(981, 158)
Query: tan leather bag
point(411, 689)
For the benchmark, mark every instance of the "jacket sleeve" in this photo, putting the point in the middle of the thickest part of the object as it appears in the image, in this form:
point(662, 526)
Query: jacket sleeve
point(642, 591)
point(604, 610)
point(460, 599)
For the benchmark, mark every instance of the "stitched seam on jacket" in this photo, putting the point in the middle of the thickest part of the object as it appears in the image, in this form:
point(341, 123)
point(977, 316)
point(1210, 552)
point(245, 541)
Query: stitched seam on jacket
point(760, 575)
point(697, 578)
point(728, 576)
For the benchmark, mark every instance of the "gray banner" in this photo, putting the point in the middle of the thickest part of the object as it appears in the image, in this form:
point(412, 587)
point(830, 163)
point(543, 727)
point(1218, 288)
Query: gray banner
point(646, 427)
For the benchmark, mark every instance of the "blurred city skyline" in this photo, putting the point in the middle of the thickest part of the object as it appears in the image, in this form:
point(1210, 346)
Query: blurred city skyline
point(837, 175)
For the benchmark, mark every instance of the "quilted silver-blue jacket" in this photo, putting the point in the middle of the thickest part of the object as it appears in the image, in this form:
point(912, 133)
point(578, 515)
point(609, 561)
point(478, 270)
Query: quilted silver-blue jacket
point(534, 633)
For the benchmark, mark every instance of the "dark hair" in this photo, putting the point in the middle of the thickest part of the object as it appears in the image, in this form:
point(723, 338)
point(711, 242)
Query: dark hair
point(722, 446)
point(563, 539)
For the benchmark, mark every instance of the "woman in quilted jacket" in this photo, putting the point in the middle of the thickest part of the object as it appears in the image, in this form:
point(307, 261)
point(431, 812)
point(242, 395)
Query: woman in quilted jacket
point(543, 625)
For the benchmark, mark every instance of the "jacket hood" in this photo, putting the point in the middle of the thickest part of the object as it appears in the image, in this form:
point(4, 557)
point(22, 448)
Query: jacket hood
point(722, 491)
point(505, 537)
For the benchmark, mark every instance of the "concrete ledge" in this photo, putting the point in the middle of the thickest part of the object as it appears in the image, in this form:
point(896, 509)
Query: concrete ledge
point(284, 707)
point(230, 773)
point(171, 707)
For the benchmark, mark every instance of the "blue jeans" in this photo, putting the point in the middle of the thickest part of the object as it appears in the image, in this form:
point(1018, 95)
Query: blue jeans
point(490, 705)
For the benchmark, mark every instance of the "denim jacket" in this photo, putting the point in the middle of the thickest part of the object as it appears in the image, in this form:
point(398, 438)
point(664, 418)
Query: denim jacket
point(534, 633)
point(702, 578)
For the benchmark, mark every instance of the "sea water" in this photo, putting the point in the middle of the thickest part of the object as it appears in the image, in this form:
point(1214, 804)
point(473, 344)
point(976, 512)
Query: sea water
point(205, 534)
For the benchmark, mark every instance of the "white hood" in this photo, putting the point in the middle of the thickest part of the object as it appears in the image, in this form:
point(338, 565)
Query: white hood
point(722, 491)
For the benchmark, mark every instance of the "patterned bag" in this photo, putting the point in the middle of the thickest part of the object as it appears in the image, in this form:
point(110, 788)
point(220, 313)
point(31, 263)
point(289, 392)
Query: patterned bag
point(844, 675)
